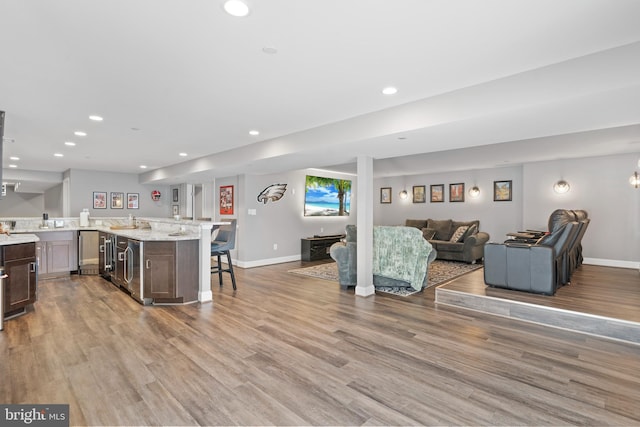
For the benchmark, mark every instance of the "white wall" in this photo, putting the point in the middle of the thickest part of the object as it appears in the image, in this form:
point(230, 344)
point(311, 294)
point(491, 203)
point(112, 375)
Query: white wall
point(496, 218)
point(282, 222)
point(21, 204)
point(84, 182)
point(599, 185)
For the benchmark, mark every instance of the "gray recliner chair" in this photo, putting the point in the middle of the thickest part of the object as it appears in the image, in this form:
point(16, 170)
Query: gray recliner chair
point(536, 268)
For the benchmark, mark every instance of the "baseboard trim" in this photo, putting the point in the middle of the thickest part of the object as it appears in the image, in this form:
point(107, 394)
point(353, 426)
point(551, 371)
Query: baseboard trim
point(611, 263)
point(269, 261)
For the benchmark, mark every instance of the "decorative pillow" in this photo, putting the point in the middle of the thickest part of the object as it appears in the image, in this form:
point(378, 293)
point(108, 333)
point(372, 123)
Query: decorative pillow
point(428, 233)
point(458, 234)
point(470, 232)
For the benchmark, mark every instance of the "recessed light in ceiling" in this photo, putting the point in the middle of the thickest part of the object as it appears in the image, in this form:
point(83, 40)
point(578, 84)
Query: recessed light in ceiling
point(143, 166)
point(69, 143)
point(58, 155)
point(80, 133)
point(390, 90)
point(96, 118)
point(183, 154)
point(14, 158)
point(13, 166)
point(236, 8)
point(270, 50)
point(254, 132)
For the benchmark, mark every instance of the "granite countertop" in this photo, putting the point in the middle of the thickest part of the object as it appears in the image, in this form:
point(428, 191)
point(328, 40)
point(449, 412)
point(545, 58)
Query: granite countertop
point(15, 239)
point(137, 234)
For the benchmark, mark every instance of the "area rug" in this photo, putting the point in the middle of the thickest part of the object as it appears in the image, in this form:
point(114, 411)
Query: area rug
point(440, 272)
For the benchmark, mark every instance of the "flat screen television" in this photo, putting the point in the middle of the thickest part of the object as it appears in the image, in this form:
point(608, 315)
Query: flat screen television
point(327, 196)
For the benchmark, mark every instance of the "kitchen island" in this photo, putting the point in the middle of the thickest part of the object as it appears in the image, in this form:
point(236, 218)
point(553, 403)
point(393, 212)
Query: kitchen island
point(150, 232)
point(18, 258)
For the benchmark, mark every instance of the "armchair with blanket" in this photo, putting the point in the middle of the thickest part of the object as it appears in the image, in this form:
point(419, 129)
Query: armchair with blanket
point(401, 257)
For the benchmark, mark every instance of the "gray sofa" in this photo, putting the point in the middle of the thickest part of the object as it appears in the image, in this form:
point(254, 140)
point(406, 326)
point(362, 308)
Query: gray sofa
point(401, 257)
point(466, 246)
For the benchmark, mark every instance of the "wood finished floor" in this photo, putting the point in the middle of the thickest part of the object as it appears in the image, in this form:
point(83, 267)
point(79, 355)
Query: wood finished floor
point(285, 349)
point(602, 291)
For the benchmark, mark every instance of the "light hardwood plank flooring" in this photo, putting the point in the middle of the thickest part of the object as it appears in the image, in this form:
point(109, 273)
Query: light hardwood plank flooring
point(285, 349)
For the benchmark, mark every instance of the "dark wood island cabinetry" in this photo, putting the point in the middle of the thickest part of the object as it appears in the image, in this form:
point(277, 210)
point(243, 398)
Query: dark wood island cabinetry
point(19, 262)
point(171, 271)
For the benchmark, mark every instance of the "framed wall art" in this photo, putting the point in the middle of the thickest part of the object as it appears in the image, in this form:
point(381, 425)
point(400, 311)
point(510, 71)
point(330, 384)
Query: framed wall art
point(502, 191)
point(117, 200)
point(176, 195)
point(437, 193)
point(226, 200)
point(456, 192)
point(385, 195)
point(175, 210)
point(99, 200)
point(132, 200)
point(419, 194)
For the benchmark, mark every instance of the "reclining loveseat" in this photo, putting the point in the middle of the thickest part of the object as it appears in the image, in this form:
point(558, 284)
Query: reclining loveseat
point(541, 267)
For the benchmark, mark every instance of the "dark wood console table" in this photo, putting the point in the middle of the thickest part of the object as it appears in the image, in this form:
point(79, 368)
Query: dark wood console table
point(317, 247)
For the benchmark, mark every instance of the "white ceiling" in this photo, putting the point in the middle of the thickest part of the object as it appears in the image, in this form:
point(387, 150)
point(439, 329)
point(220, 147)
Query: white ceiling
point(504, 76)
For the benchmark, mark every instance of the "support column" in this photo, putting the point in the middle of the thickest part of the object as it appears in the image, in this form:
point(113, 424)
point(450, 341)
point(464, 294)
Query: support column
point(364, 218)
point(204, 291)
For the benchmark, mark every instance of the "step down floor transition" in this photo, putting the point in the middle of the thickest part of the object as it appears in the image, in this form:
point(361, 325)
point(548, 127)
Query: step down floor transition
point(600, 301)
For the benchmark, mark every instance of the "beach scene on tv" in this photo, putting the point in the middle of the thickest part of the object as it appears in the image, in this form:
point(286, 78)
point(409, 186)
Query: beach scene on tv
point(327, 196)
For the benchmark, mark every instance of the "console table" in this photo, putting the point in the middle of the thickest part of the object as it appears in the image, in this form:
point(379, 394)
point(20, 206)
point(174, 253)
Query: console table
point(317, 247)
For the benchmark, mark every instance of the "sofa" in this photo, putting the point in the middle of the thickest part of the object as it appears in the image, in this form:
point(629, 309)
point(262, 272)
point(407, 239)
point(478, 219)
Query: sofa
point(401, 257)
point(453, 240)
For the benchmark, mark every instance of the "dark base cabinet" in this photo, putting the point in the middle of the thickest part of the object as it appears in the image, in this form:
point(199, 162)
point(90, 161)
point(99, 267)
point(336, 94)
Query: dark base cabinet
point(20, 287)
point(171, 272)
point(315, 248)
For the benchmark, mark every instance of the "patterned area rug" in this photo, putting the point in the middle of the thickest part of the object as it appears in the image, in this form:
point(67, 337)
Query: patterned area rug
point(440, 272)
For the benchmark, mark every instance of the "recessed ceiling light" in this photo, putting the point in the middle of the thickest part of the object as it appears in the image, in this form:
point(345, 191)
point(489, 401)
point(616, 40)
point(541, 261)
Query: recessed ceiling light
point(183, 154)
point(143, 166)
point(80, 133)
point(236, 8)
point(14, 158)
point(58, 155)
point(70, 143)
point(13, 166)
point(254, 132)
point(96, 118)
point(270, 50)
point(390, 90)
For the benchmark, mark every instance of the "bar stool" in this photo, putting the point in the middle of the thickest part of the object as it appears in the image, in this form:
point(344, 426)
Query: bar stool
point(224, 241)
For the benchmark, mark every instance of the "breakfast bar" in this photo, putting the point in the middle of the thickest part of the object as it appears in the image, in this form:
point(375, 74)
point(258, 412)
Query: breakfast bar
point(171, 262)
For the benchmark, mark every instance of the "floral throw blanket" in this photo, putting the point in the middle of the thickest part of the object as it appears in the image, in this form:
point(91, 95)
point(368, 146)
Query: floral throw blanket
point(400, 253)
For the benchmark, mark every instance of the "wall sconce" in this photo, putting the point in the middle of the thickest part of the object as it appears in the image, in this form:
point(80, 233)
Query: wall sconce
point(404, 194)
point(635, 180)
point(561, 187)
point(474, 191)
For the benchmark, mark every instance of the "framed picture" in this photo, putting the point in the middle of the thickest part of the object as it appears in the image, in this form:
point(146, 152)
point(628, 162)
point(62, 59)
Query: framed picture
point(419, 194)
point(176, 195)
point(99, 200)
point(226, 200)
point(437, 193)
point(502, 191)
point(385, 195)
point(117, 200)
point(456, 192)
point(176, 210)
point(132, 200)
